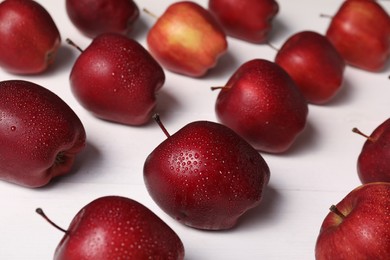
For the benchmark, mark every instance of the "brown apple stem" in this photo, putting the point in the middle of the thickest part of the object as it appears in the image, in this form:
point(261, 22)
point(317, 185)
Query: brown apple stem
point(272, 46)
point(70, 42)
point(335, 210)
point(216, 87)
point(40, 212)
point(356, 130)
point(326, 16)
point(156, 118)
point(150, 13)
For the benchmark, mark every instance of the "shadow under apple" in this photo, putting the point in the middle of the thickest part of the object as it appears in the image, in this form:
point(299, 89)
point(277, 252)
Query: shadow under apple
point(64, 60)
point(166, 104)
point(225, 67)
point(264, 213)
point(342, 97)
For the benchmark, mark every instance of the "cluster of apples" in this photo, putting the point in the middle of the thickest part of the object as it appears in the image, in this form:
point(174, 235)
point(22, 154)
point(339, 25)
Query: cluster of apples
point(207, 174)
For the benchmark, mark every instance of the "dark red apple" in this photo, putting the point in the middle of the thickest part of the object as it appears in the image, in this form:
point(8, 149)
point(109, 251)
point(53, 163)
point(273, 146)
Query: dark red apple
point(360, 31)
point(116, 79)
point(40, 134)
point(374, 159)
point(186, 39)
point(205, 175)
point(358, 227)
point(262, 103)
point(94, 17)
point(29, 37)
point(115, 227)
point(249, 20)
point(314, 64)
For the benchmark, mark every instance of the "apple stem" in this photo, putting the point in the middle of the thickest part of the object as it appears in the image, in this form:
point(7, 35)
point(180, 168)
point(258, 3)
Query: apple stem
point(356, 130)
point(156, 118)
point(40, 212)
point(216, 87)
point(335, 210)
point(150, 13)
point(70, 42)
point(272, 46)
point(326, 16)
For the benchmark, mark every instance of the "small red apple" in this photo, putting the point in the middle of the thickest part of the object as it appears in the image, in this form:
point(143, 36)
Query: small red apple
point(262, 104)
point(314, 64)
point(29, 37)
point(249, 20)
point(94, 17)
point(360, 31)
point(116, 79)
point(374, 159)
point(205, 175)
point(186, 39)
point(40, 134)
point(358, 227)
point(115, 227)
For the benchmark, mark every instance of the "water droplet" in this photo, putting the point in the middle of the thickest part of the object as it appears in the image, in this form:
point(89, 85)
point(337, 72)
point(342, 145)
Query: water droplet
point(13, 128)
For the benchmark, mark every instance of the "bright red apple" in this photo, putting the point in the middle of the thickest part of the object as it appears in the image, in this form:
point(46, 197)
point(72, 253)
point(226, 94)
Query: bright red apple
point(205, 175)
point(116, 79)
point(262, 103)
point(374, 159)
point(314, 64)
point(186, 39)
point(40, 134)
point(115, 227)
point(358, 227)
point(360, 31)
point(249, 20)
point(94, 17)
point(29, 37)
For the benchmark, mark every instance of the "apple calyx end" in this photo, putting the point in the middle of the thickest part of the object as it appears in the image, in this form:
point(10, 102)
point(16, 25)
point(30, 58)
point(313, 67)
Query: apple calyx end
point(156, 118)
point(336, 211)
point(40, 212)
point(357, 131)
point(73, 44)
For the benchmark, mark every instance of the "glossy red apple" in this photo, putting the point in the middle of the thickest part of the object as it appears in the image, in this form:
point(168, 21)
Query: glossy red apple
point(40, 134)
point(262, 103)
point(314, 64)
point(29, 37)
point(205, 175)
point(360, 31)
point(249, 20)
point(358, 227)
point(186, 39)
point(94, 17)
point(116, 79)
point(115, 227)
point(374, 159)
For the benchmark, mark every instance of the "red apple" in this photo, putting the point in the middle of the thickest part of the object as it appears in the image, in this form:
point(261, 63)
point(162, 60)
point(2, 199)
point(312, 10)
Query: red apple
point(40, 134)
point(360, 31)
point(314, 64)
point(358, 227)
point(116, 79)
point(29, 37)
point(249, 20)
point(374, 159)
point(205, 175)
point(115, 227)
point(186, 39)
point(262, 104)
point(94, 17)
